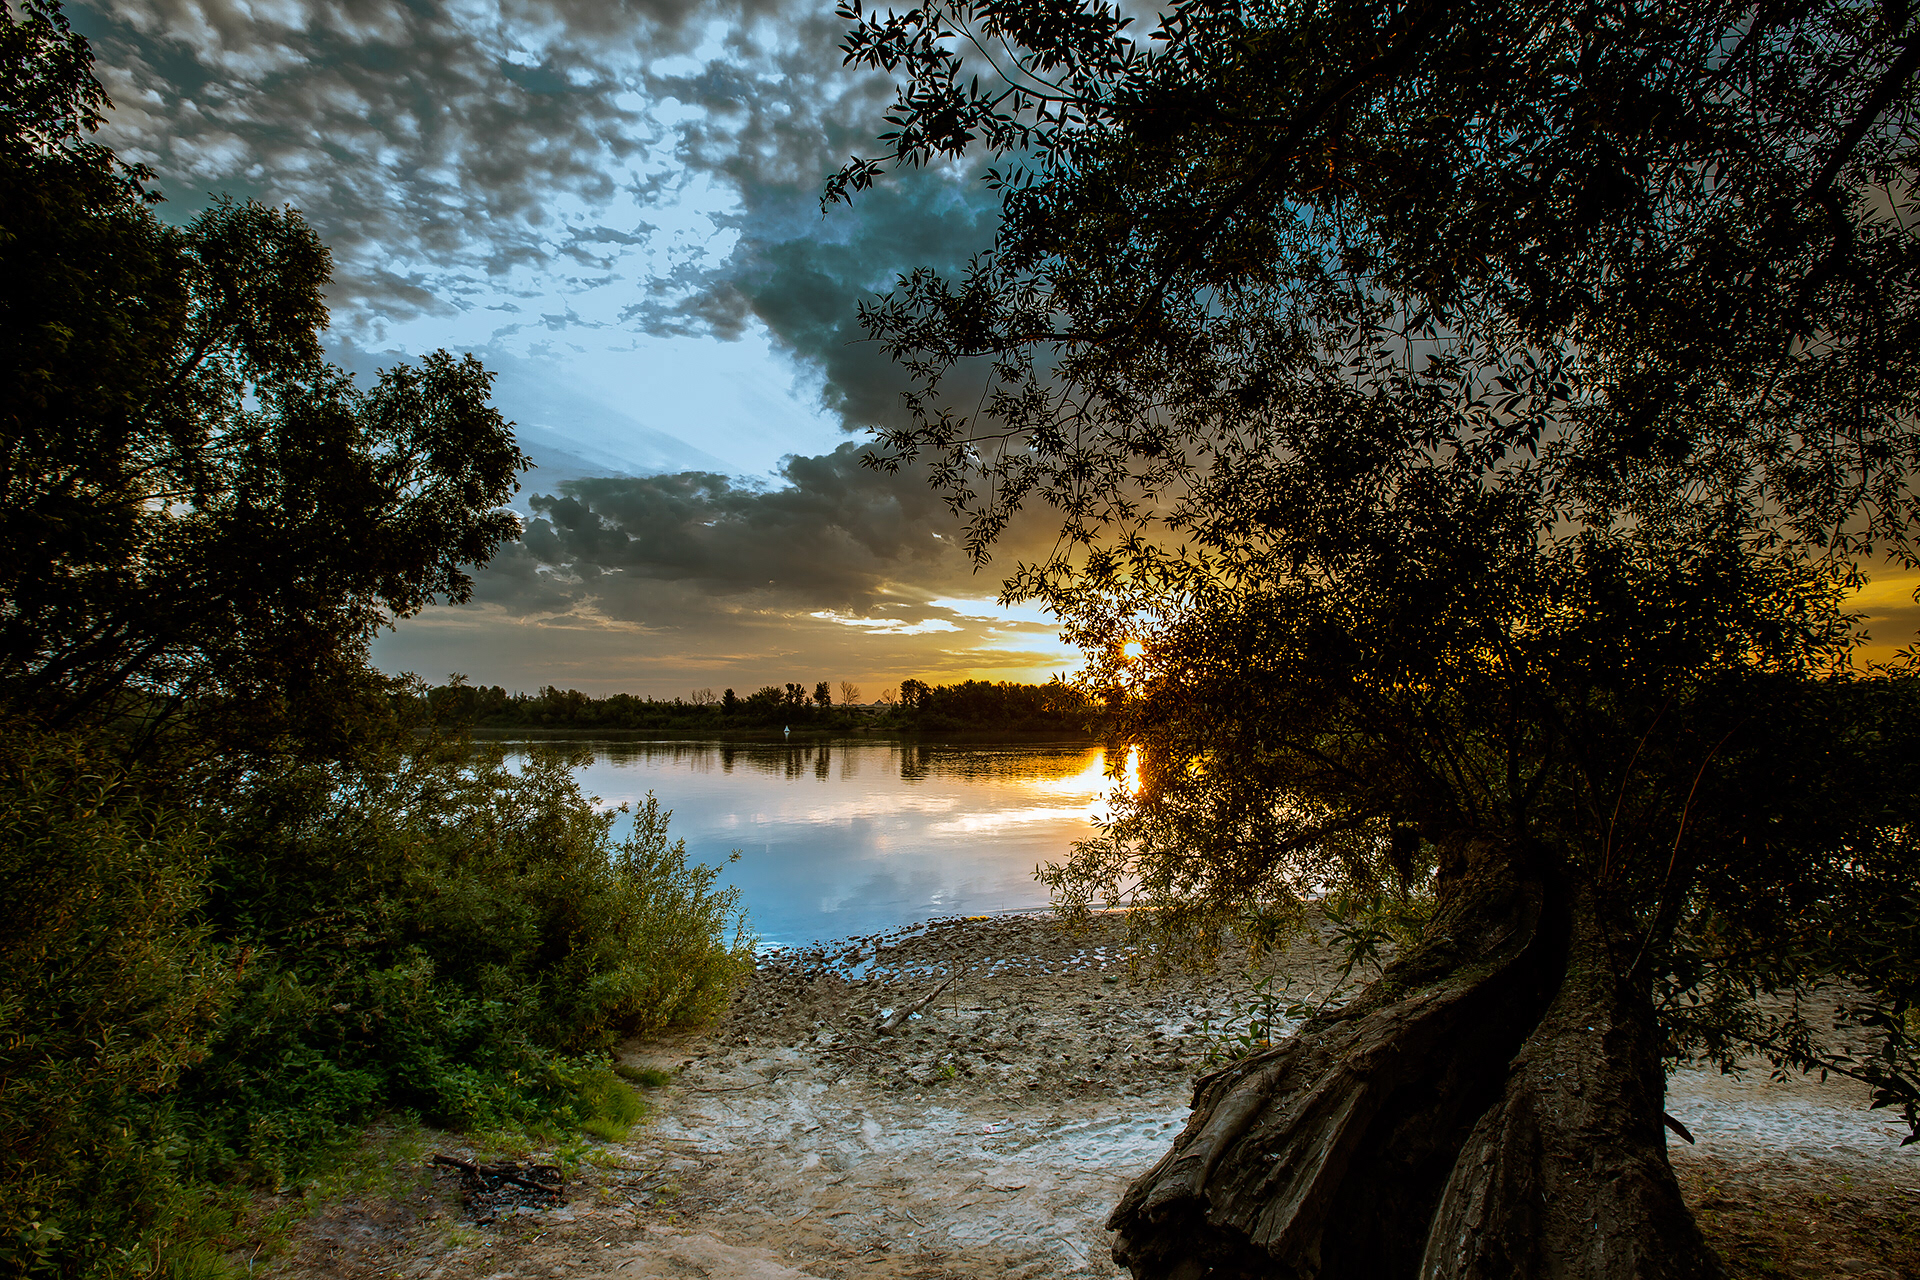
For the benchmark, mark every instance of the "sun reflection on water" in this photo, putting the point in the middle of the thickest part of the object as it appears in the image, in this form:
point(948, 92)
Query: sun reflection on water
point(843, 839)
point(1093, 785)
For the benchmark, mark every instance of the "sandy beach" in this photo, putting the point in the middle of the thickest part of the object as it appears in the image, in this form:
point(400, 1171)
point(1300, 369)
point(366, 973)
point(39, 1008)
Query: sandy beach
point(990, 1132)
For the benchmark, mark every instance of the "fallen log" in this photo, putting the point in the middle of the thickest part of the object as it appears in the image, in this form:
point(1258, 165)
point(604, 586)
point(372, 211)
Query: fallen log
point(489, 1188)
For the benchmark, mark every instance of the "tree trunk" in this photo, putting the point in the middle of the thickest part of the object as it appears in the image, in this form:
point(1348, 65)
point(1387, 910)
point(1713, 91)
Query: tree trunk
point(1489, 1108)
point(1567, 1174)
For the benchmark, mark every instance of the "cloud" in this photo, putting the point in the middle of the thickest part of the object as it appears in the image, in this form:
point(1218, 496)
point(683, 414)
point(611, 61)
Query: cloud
point(837, 537)
point(499, 176)
point(803, 276)
point(616, 205)
point(657, 582)
point(436, 147)
point(889, 626)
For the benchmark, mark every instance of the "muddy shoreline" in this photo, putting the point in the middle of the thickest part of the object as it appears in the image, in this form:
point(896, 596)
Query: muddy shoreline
point(990, 1133)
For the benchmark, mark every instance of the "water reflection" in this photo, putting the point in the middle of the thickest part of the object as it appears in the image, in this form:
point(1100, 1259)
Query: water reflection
point(850, 838)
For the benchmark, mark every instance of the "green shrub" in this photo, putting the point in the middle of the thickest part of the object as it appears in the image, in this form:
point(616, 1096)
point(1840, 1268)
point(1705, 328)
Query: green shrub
point(442, 936)
point(108, 990)
point(190, 998)
point(194, 995)
point(667, 949)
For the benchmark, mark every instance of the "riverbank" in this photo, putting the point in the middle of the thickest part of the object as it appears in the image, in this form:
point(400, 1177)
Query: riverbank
point(991, 1134)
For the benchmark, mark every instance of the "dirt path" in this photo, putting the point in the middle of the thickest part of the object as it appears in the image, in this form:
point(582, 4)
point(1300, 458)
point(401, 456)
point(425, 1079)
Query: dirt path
point(991, 1133)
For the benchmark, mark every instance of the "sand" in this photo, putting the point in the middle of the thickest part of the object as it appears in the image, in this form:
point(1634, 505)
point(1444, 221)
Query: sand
point(991, 1132)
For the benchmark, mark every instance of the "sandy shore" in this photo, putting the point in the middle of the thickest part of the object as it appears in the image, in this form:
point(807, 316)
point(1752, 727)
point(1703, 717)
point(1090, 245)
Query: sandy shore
point(990, 1133)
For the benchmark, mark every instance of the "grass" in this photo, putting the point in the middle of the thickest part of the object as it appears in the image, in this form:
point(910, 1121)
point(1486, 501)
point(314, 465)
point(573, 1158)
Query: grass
point(645, 1077)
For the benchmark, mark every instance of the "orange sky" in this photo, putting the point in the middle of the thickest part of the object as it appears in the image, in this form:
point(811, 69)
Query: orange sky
point(1891, 616)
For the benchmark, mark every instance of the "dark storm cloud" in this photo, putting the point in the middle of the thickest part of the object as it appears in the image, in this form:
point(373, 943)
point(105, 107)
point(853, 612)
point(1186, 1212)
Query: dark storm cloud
point(838, 537)
point(804, 277)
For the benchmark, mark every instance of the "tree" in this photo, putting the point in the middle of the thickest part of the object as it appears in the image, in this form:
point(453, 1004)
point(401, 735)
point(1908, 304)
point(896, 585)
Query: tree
point(1467, 420)
point(822, 695)
point(205, 521)
point(204, 526)
point(849, 693)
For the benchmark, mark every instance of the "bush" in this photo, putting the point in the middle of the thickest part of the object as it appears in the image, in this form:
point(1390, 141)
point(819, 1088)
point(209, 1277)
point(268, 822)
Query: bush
point(201, 994)
point(443, 936)
point(108, 990)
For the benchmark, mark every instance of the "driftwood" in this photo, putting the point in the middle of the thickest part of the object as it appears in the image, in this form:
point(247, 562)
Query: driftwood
point(487, 1189)
point(906, 1011)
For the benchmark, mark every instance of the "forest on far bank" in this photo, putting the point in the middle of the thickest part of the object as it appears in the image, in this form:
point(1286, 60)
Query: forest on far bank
point(915, 707)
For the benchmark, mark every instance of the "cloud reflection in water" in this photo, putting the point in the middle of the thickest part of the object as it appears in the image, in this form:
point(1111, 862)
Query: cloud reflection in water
point(846, 839)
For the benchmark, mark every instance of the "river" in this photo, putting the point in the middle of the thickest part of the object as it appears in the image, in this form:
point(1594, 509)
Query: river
point(844, 839)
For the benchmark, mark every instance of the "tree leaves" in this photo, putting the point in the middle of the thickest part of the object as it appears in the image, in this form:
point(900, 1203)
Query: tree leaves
point(204, 518)
point(1473, 407)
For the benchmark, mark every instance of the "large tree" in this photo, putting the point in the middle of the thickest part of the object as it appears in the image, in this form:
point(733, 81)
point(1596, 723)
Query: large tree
point(1468, 419)
point(204, 521)
point(202, 525)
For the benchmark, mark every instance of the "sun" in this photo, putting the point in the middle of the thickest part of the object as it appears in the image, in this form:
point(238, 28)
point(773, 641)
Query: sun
point(1132, 649)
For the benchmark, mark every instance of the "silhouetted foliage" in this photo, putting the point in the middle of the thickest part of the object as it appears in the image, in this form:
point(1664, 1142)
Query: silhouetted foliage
point(1466, 422)
point(204, 519)
point(492, 707)
point(984, 706)
point(972, 706)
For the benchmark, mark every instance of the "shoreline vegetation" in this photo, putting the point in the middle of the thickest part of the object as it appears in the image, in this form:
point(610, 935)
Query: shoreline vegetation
point(972, 710)
point(214, 994)
point(250, 909)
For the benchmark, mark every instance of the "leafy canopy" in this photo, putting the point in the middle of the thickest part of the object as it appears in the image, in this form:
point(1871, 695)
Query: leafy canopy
point(1624, 262)
point(203, 517)
point(1467, 419)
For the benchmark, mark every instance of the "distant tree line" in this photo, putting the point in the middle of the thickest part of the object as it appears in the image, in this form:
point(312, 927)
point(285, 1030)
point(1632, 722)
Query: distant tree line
point(978, 704)
point(917, 707)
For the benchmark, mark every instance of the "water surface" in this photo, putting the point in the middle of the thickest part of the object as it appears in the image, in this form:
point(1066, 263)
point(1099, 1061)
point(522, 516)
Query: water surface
point(837, 840)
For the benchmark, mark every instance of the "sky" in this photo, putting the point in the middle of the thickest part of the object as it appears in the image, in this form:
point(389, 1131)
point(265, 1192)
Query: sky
point(615, 206)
